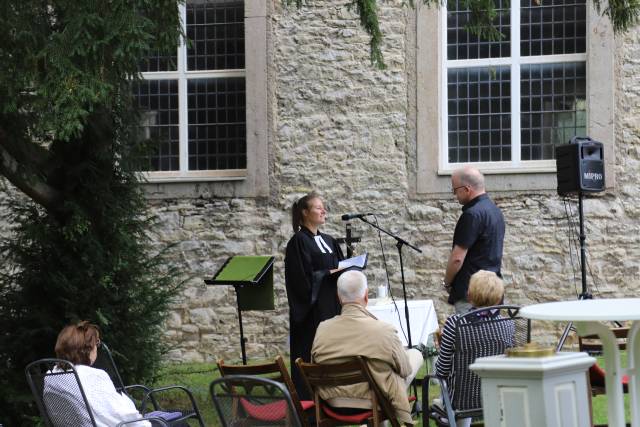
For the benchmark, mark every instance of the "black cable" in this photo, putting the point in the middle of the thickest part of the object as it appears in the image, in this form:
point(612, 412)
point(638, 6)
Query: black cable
point(593, 277)
point(386, 269)
point(384, 258)
point(571, 244)
point(587, 264)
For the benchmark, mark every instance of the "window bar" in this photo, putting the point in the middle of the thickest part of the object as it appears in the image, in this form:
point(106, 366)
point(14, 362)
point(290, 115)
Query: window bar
point(515, 83)
point(183, 96)
point(444, 98)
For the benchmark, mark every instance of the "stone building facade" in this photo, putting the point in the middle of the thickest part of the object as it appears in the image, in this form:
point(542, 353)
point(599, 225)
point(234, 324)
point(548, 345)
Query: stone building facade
point(366, 139)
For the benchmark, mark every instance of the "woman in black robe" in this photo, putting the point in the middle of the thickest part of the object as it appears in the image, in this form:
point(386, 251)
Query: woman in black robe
point(310, 263)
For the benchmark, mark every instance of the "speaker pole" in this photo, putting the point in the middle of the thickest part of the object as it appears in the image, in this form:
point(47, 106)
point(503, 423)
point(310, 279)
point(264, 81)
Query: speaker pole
point(583, 269)
point(583, 253)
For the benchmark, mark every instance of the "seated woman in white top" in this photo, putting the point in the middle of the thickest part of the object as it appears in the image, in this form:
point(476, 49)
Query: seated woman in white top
point(78, 343)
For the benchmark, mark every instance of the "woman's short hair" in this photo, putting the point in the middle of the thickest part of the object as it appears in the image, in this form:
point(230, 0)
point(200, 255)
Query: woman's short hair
point(485, 289)
point(76, 341)
point(298, 206)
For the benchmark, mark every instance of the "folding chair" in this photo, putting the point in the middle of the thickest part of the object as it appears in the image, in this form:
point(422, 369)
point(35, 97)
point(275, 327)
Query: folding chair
point(353, 371)
point(276, 371)
point(60, 398)
point(246, 400)
point(145, 395)
point(488, 331)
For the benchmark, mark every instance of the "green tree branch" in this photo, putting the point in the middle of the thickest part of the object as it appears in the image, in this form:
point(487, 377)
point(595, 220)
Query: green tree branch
point(482, 16)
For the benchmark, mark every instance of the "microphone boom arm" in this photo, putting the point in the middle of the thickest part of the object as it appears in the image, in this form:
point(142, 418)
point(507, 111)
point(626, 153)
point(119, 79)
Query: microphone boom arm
point(400, 241)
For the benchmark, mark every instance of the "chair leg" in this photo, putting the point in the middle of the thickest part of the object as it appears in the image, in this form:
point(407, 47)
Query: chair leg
point(376, 414)
point(589, 392)
point(425, 401)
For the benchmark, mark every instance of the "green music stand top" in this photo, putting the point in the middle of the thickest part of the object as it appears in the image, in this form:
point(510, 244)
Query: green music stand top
point(242, 270)
point(252, 277)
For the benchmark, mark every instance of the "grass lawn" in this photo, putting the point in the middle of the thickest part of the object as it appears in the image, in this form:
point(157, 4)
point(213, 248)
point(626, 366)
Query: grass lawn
point(198, 376)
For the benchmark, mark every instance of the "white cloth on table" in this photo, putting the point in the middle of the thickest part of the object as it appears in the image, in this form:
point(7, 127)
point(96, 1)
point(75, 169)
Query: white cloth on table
point(422, 317)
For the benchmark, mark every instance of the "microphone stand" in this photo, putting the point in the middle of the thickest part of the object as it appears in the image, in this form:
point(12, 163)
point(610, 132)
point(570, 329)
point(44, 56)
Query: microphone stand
point(400, 242)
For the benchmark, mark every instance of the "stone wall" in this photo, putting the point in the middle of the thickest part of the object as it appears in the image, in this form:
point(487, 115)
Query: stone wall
point(342, 127)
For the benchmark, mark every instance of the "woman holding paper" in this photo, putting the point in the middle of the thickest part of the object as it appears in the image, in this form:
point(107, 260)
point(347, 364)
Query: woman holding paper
point(310, 262)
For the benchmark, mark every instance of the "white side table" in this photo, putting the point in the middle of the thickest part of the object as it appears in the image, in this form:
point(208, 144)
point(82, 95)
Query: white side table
point(587, 315)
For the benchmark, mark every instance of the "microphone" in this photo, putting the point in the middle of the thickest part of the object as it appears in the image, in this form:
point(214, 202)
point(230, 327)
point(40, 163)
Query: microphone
point(347, 217)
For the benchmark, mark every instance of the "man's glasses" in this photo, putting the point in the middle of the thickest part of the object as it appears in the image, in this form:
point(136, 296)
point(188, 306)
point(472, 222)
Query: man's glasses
point(457, 188)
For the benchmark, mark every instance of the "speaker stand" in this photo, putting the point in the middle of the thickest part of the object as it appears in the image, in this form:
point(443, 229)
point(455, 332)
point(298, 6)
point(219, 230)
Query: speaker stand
point(583, 264)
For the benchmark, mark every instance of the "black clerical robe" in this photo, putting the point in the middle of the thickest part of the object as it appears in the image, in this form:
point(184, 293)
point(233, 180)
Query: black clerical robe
point(311, 292)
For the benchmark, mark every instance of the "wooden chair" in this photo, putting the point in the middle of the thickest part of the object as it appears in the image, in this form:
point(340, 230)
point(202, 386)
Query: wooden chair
point(249, 400)
point(592, 345)
point(275, 371)
point(488, 331)
point(354, 371)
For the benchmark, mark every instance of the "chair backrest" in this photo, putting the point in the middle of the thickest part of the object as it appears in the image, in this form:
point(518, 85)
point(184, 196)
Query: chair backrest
point(593, 345)
point(104, 361)
point(251, 400)
point(58, 393)
point(353, 371)
point(488, 331)
point(275, 371)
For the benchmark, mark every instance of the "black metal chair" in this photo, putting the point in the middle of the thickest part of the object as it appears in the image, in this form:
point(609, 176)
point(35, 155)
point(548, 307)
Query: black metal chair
point(247, 400)
point(145, 396)
point(60, 398)
point(488, 331)
point(276, 371)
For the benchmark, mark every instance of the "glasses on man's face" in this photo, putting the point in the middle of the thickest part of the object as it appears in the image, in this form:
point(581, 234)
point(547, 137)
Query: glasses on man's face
point(457, 188)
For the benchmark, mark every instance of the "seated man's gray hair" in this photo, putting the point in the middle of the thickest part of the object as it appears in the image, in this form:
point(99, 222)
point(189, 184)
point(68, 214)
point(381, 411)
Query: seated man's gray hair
point(352, 286)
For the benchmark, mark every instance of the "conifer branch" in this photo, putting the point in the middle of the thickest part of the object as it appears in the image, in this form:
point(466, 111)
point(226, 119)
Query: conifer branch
point(482, 15)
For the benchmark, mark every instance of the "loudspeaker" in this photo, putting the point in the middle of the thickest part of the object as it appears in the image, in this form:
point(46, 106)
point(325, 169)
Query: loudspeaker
point(580, 166)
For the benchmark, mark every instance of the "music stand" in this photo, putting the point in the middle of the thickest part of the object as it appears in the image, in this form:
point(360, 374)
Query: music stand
point(252, 279)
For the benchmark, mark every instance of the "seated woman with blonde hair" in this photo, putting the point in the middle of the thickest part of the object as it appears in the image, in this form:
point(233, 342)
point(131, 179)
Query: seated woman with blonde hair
point(78, 343)
point(486, 289)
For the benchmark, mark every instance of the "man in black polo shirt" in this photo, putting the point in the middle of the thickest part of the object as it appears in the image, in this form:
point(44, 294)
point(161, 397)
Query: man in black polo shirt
point(477, 240)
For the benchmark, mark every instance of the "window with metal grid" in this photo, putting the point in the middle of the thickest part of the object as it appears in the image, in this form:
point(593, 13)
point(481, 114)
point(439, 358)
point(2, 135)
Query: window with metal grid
point(511, 100)
point(193, 103)
point(479, 114)
point(461, 44)
point(158, 99)
point(553, 107)
point(216, 32)
point(216, 124)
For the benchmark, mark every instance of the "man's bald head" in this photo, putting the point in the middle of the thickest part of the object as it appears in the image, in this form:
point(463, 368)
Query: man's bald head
point(467, 183)
point(471, 177)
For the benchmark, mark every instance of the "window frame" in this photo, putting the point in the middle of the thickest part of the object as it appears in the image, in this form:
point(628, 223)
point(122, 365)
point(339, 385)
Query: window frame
point(252, 181)
point(430, 177)
point(514, 62)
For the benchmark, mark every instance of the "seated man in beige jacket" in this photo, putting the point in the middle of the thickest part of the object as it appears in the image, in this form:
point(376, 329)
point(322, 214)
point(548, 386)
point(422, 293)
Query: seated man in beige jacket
point(356, 332)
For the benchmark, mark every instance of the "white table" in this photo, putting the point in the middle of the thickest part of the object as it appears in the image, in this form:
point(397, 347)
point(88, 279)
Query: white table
point(587, 315)
point(422, 315)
